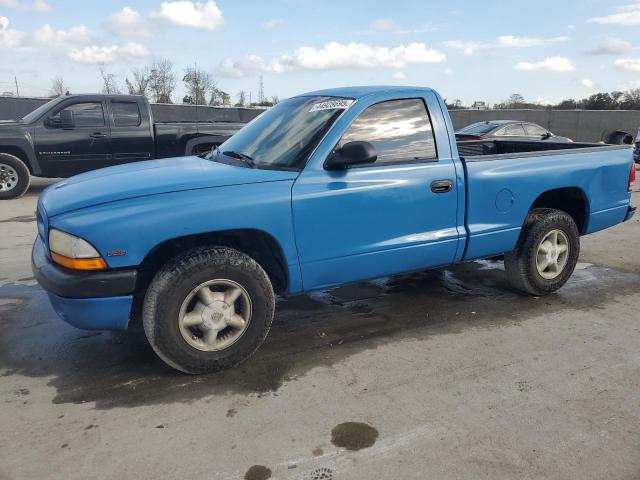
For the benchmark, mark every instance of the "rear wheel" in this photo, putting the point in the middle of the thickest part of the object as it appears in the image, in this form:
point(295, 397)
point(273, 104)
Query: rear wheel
point(14, 177)
point(546, 253)
point(208, 309)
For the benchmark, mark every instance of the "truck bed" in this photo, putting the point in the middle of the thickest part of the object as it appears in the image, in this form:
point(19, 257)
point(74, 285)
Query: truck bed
point(504, 179)
point(480, 149)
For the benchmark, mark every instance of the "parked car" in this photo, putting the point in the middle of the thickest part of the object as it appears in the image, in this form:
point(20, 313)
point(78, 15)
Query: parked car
point(636, 149)
point(507, 130)
point(324, 189)
point(78, 133)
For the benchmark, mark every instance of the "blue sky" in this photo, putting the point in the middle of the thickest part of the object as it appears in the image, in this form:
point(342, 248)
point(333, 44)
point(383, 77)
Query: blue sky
point(545, 50)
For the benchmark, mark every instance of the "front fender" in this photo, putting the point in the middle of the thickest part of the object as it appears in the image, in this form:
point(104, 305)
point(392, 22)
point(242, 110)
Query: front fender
point(21, 141)
point(125, 231)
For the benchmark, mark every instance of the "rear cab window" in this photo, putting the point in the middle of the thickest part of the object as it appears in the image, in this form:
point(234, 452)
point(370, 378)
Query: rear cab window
point(126, 114)
point(400, 130)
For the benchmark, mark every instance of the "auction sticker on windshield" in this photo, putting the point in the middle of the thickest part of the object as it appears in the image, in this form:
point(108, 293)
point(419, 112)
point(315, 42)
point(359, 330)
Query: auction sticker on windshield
point(332, 105)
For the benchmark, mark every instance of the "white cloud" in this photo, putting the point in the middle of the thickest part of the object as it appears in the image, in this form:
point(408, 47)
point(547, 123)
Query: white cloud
point(449, 72)
point(191, 14)
point(272, 23)
point(503, 41)
point(129, 24)
point(49, 37)
point(628, 63)
point(9, 38)
point(469, 48)
point(108, 54)
point(552, 64)
point(333, 56)
point(628, 15)
point(587, 82)
point(399, 76)
point(513, 41)
point(611, 46)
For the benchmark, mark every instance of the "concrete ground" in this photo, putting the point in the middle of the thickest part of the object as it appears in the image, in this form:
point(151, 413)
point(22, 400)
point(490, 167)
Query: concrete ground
point(446, 375)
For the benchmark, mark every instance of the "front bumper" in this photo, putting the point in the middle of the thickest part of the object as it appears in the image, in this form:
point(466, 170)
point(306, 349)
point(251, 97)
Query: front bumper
point(630, 213)
point(88, 300)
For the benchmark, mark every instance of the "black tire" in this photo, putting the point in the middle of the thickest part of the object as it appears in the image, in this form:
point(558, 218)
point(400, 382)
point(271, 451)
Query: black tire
point(174, 282)
point(520, 264)
point(16, 174)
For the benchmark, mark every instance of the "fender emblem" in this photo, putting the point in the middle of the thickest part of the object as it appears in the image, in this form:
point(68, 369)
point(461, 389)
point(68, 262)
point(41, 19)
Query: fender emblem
point(116, 253)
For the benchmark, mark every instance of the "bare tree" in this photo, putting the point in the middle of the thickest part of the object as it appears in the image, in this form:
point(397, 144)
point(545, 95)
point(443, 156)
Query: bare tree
point(163, 81)
point(109, 83)
point(275, 100)
point(199, 83)
point(58, 88)
point(139, 84)
point(242, 98)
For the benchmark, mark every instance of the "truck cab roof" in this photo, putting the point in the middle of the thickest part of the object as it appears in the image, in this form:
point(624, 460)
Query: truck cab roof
point(365, 91)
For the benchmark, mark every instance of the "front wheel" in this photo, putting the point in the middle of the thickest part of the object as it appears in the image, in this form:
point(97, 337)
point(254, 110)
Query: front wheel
point(14, 177)
point(546, 253)
point(208, 309)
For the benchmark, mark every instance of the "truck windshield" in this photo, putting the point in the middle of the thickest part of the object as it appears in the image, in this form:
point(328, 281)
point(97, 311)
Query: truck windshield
point(285, 136)
point(34, 115)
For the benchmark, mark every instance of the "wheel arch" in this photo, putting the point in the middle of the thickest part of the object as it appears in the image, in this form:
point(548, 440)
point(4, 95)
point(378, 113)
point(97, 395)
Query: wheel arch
point(258, 244)
point(571, 200)
point(20, 153)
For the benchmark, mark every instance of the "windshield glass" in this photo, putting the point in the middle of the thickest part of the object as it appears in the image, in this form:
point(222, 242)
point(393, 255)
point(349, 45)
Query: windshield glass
point(30, 117)
point(479, 128)
point(285, 135)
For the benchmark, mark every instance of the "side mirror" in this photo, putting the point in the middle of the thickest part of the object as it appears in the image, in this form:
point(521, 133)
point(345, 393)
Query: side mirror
point(352, 153)
point(546, 136)
point(65, 120)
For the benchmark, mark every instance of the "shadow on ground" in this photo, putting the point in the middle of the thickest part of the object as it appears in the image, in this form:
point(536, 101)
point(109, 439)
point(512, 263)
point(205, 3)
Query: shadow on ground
point(121, 370)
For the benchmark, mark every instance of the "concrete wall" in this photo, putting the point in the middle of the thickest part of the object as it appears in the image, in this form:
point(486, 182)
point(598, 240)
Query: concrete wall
point(17, 107)
point(580, 125)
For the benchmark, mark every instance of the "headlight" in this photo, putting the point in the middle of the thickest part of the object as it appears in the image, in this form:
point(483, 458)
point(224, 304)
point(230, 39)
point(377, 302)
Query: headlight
point(74, 252)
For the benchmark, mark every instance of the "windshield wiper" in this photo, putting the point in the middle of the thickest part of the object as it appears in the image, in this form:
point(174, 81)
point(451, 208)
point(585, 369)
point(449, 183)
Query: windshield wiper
point(241, 156)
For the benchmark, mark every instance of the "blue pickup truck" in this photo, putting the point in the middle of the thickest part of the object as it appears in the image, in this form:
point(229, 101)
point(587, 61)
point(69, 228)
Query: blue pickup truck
point(324, 189)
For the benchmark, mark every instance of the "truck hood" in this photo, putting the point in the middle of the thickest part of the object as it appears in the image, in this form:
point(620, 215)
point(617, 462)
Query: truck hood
point(149, 178)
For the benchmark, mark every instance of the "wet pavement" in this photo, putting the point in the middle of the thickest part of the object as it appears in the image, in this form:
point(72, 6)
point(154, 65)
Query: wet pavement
point(441, 374)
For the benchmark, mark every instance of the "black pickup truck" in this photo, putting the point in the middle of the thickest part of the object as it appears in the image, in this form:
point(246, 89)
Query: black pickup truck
point(77, 133)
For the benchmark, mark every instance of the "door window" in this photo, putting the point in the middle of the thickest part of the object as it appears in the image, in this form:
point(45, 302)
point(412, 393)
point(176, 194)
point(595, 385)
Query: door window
point(534, 130)
point(125, 114)
point(514, 130)
point(87, 114)
point(400, 131)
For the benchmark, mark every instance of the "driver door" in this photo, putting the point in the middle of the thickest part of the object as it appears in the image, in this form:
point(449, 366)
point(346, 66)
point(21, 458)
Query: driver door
point(65, 150)
point(388, 217)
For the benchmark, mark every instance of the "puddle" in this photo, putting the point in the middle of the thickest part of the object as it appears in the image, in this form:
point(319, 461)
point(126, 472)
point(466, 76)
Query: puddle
point(257, 472)
point(116, 370)
point(354, 436)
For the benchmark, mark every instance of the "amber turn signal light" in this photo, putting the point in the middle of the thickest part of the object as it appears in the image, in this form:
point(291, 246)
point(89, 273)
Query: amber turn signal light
point(79, 263)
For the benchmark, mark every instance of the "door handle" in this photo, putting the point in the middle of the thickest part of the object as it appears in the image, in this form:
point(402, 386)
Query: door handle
point(441, 186)
point(97, 135)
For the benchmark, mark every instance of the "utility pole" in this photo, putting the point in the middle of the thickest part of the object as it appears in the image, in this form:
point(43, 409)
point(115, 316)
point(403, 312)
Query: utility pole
point(261, 91)
point(15, 79)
